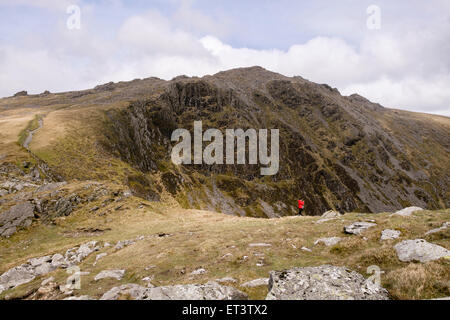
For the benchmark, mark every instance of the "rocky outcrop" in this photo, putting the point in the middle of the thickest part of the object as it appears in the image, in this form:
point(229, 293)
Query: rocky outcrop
point(20, 215)
point(358, 227)
point(43, 265)
point(322, 283)
point(208, 291)
point(420, 250)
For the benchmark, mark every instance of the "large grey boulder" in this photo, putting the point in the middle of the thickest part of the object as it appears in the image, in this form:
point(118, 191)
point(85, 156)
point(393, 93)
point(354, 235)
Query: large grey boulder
point(130, 290)
point(208, 291)
point(420, 250)
point(406, 212)
point(358, 227)
point(16, 276)
point(322, 283)
point(20, 215)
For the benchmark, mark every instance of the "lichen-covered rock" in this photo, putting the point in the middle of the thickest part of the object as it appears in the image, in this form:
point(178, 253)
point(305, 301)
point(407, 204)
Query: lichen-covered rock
point(16, 276)
point(20, 215)
point(389, 234)
point(420, 250)
point(358, 227)
point(322, 283)
point(208, 291)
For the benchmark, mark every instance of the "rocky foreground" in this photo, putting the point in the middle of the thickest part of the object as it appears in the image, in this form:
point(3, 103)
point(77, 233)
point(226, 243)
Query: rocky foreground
point(35, 203)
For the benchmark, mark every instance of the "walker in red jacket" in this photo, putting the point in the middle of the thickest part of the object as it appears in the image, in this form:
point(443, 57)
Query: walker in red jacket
point(301, 203)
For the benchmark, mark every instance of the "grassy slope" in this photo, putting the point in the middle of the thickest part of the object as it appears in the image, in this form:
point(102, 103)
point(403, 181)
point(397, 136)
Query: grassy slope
point(201, 239)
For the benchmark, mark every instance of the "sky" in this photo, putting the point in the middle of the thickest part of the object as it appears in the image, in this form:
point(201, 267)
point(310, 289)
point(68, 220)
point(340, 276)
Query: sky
point(396, 53)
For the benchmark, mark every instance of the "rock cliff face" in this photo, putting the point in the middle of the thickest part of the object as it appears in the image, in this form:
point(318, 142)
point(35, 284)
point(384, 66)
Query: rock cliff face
point(336, 152)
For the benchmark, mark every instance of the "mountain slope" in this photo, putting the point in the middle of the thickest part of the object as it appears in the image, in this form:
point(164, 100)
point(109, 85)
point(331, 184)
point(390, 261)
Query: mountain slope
point(336, 152)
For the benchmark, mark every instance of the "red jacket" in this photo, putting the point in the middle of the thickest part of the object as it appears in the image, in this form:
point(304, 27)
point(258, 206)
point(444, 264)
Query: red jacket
point(301, 203)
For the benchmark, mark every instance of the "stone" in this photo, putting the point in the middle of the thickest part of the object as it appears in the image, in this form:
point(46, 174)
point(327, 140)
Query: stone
point(406, 212)
point(328, 241)
point(306, 249)
point(47, 281)
point(79, 298)
point(259, 245)
point(122, 244)
point(331, 214)
point(256, 283)
point(390, 234)
point(420, 250)
point(208, 291)
point(50, 186)
point(117, 274)
point(322, 283)
point(444, 226)
point(99, 256)
point(58, 261)
point(19, 215)
point(226, 279)
point(76, 255)
point(198, 272)
point(131, 290)
point(16, 276)
point(358, 227)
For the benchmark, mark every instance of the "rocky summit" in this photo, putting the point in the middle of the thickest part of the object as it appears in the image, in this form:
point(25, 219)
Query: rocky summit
point(93, 207)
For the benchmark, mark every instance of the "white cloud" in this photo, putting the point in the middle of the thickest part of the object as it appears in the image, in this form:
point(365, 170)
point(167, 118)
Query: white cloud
point(408, 70)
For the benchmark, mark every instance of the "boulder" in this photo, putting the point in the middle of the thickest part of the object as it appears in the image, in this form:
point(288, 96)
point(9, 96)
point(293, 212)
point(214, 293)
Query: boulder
point(390, 234)
point(406, 212)
point(208, 291)
point(20, 215)
point(117, 274)
point(256, 283)
point(420, 250)
point(130, 290)
point(331, 214)
point(322, 283)
point(358, 227)
point(79, 298)
point(198, 272)
point(16, 276)
point(328, 241)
